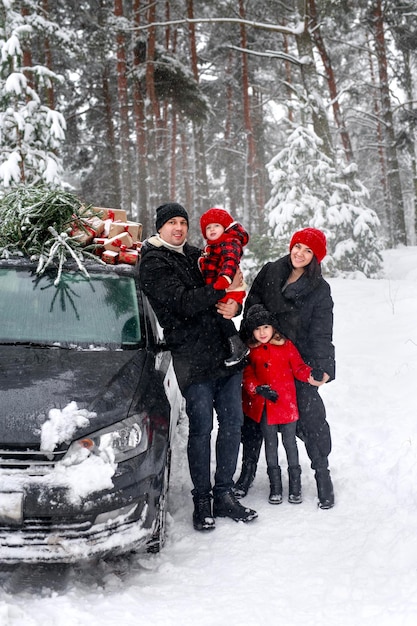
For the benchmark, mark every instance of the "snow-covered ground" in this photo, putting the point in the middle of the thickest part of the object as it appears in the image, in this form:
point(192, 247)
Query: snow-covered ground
point(354, 565)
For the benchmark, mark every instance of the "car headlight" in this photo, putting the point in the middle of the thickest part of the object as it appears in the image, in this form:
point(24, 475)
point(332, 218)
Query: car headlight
point(115, 443)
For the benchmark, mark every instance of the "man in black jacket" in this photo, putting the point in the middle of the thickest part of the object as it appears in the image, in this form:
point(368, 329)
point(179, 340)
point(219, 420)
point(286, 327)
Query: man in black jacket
point(186, 310)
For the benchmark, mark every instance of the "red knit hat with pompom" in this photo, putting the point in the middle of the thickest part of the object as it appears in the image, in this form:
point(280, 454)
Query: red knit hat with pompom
point(312, 238)
point(215, 216)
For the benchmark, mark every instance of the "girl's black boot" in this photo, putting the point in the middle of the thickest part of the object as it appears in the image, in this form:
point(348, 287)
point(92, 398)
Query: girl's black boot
point(275, 494)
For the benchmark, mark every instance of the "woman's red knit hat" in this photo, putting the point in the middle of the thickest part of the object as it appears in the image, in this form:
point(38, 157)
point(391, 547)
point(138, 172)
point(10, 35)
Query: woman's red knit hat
point(215, 216)
point(312, 238)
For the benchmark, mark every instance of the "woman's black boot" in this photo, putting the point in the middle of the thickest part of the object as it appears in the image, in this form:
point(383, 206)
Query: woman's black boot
point(252, 439)
point(275, 494)
point(324, 488)
point(294, 485)
point(245, 479)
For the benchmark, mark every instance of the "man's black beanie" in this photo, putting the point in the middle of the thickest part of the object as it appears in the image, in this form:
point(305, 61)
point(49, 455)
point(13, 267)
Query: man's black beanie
point(167, 211)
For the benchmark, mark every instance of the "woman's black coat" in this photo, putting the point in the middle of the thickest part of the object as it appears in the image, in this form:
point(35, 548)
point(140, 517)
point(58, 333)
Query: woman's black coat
point(304, 311)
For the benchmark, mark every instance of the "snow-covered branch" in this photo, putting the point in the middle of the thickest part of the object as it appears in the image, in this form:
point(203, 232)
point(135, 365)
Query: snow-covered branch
point(297, 30)
point(271, 54)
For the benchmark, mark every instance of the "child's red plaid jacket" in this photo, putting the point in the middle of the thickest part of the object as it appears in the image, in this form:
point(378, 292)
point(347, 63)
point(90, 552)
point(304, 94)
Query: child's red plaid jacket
point(221, 257)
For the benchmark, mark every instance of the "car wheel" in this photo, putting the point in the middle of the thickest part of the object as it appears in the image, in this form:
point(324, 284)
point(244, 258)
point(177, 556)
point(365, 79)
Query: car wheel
point(157, 540)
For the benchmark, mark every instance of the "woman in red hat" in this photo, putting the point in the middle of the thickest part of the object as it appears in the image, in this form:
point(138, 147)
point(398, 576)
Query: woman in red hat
point(294, 289)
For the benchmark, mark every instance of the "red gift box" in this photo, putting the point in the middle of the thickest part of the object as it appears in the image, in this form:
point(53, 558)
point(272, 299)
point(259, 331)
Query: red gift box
point(124, 239)
point(111, 214)
point(110, 256)
point(83, 235)
point(95, 223)
point(86, 228)
point(128, 256)
point(133, 228)
point(99, 245)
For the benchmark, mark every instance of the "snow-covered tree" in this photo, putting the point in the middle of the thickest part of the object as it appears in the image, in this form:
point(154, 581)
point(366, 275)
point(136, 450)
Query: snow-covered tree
point(308, 189)
point(31, 132)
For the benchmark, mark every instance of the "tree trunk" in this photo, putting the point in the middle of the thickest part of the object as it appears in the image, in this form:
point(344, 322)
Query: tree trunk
point(386, 214)
point(331, 81)
point(152, 109)
point(253, 194)
point(310, 83)
point(27, 54)
point(185, 171)
point(259, 169)
point(230, 112)
point(139, 57)
point(125, 165)
point(288, 78)
point(409, 147)
point(397, 234)
point(201, 197)
point(50, 95)
point(114, 172)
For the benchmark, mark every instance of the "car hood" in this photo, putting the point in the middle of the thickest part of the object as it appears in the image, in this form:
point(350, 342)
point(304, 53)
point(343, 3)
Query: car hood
point(35, 380)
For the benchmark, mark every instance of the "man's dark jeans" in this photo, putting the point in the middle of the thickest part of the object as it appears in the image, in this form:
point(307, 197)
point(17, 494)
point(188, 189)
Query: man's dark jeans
point(222, 395)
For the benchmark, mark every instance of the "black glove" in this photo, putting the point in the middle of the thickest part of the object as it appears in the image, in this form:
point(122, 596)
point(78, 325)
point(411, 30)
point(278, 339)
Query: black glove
point(317, 373)
point(266, 392)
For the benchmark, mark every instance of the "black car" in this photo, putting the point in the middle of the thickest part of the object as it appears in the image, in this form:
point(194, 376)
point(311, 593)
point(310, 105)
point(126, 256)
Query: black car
point(89, 401)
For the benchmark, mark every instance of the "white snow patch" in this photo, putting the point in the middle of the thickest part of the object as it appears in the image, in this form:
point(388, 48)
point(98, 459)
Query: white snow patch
point(62, 425)
point(296, 565)
point(94, 473)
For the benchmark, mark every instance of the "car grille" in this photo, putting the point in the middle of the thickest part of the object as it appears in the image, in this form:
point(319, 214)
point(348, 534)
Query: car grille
point(43, 540)
point(29, 458)
point(68, 528)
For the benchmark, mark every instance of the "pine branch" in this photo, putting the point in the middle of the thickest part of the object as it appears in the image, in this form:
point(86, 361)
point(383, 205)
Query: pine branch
point(28, 218)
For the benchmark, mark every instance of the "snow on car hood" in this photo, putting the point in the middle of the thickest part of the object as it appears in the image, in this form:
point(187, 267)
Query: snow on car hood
point(33, 381)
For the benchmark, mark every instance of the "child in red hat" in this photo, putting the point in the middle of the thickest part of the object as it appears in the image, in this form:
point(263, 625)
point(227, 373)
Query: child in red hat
point(219, 262)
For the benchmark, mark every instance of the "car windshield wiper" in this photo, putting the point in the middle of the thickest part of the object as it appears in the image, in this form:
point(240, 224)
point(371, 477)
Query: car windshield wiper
point(35, 344)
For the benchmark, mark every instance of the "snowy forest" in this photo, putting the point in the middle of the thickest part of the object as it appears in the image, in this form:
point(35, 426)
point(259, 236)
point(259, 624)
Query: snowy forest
point(288, 114)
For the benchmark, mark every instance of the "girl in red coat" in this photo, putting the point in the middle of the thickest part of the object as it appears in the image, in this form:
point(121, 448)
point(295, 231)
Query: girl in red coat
point(269, 395)
point(219, 262)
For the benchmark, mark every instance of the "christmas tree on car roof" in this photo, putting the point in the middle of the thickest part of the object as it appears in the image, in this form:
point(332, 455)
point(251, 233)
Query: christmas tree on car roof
point(51, 226)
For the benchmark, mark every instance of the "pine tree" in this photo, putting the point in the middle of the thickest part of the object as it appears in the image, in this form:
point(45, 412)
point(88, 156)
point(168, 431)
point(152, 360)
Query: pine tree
point(30, 131)
point(309, 190)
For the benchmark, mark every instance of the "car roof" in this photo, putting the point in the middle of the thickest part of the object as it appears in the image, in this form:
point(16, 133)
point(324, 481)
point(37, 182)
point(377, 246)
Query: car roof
point(122, 269)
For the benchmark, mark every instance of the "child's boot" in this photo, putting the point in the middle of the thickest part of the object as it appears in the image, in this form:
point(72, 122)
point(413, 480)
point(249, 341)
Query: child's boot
point(294, 485)
point(275, 495)
point(238, 351)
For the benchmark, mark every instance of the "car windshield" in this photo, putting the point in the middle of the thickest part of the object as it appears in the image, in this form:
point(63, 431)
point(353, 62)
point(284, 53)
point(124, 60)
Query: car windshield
point(99, 311)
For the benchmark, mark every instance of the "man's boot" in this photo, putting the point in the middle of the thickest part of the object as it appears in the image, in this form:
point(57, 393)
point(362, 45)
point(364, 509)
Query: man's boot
point(226, 505)
point(238, 351)
point(275, 494)
point(294, 485)
point(202, 515)
point(245, 479)
point(324, 488)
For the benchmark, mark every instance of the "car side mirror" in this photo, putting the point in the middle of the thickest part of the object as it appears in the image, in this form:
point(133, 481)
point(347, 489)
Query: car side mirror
point(130, 332)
